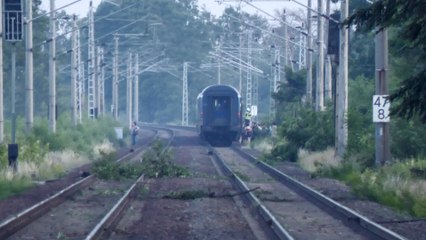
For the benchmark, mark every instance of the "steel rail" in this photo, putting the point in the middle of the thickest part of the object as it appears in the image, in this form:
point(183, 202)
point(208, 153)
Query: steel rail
point(112, 216)
point(343, 212)
point(267, 216)
point(22, 219)
point(13, 224)
point(105, 226)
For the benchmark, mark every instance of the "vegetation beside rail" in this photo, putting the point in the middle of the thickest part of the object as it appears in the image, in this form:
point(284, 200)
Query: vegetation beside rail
point(156, 162)
point(44, 155)
point(400, 184)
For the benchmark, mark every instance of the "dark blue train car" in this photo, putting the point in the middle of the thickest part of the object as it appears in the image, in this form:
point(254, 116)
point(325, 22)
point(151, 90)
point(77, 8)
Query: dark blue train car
point(219, 114)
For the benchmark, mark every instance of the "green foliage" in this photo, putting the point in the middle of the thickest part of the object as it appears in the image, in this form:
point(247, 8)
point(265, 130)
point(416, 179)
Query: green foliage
point(156, 162)
point(390, 185)
point(408, 137)
point(109, 169)
point(307, 129)
point(33, 151)
point(360, 125)
point(408, 17)
point(283, 151)
point(80, 138)
point(14, 185)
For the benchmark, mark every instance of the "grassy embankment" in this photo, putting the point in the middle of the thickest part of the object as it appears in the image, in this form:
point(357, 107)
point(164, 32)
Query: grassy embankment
point(400, 185)
point(45, 156)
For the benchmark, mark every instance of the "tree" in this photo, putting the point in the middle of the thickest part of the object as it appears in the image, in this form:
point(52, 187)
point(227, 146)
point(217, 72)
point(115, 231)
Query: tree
point(409, 19)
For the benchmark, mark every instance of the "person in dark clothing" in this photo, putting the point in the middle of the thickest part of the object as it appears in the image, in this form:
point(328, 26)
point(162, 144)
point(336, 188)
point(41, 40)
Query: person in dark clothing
point(134, 130)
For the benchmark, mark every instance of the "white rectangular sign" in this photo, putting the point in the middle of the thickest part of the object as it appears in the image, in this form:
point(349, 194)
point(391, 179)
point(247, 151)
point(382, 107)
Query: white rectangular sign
point(381, 105)
point(254, 110)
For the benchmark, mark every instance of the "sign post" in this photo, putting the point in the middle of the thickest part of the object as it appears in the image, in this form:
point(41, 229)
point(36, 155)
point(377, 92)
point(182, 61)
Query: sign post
point(381, 105)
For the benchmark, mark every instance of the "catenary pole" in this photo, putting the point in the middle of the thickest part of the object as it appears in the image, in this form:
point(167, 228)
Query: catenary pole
point(13, 77)
point(52, 69)
point(341, 130)
point(249, 78)
point(129, 89)
point(1, 77)
point(136, 89)
point(91, 85)
point(319, 100)
point(382, 131)
point(74, 73)
point(328, 66)
point(115, 79)
point(309, 55)
point(98, 81)
point(29, 92)
point(80, 78)
point(185, 94)
point(328, 78)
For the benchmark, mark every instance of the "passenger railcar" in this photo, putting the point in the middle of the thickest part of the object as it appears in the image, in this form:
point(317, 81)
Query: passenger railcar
point(219, 114)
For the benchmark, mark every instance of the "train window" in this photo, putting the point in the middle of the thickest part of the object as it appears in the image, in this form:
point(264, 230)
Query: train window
point(220, 103)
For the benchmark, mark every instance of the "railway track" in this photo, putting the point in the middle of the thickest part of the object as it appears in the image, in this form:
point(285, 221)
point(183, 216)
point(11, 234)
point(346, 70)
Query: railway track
point(227, 195)
point(292, 209)
point(72, 212)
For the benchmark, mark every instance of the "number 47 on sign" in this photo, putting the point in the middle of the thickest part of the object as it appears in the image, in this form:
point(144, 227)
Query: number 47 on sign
point(381, 105)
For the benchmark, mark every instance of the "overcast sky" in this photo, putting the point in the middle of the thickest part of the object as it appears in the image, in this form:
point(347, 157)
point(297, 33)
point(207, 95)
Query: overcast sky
point(81, 8)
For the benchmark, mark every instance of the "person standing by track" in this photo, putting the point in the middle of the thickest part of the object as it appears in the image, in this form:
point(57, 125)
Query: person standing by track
point(134, 130)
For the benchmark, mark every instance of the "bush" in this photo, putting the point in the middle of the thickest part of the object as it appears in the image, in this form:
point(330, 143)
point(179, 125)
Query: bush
point(156, 162)
point(306, 129)
point(107, 168)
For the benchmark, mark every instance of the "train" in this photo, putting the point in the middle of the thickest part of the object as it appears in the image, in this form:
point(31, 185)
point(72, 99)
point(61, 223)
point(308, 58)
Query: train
point(219, 114)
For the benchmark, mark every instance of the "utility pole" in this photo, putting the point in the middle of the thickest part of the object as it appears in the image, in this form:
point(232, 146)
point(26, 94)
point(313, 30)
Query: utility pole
point(74, 72)
point(102, 73)
point(219, 60)
point(129, 89)
point(80, 78)
point(52, 69)
point(319, 101)
point(29, 92)
point(285, 52)
point(240, 85)
point(382, 131)
point(276, 73)
point(136, 89)
point(342, 87)
point(302, 49)
point(82, 87)
point(1, 77)
point(309, 56)
point(91, 67)
point(185, 94)
point(13, 77)
point(328, 66)
point(115, 79)
point(99, 81)
point(249, 79)
point(328, 78)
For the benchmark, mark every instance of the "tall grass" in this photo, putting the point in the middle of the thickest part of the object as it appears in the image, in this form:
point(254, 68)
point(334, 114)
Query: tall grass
point(44, 155)
point(395, 185)
point(312, 161)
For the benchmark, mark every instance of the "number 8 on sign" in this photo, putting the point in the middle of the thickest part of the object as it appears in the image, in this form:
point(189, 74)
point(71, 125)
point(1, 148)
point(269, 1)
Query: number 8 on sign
point(381, 105)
